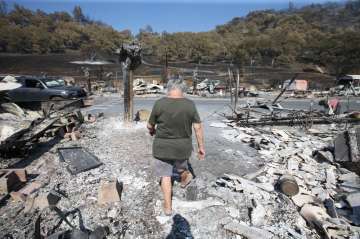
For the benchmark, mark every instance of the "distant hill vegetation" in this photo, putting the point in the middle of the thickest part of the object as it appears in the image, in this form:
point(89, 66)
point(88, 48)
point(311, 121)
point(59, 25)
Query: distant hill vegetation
point(26, 31)
point(327, 35)
point(324, 34)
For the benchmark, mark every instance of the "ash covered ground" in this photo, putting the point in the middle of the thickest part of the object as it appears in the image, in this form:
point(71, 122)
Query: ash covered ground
point(232, 196)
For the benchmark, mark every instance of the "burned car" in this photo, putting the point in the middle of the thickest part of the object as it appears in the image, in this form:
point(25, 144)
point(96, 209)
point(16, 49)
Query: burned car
point(44, 89)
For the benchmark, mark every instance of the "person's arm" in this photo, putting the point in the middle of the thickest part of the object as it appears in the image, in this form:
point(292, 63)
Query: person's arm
point(198, 128)
point(152, 121)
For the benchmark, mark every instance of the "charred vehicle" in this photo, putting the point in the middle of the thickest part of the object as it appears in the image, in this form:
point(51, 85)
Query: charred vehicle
point(44, 89)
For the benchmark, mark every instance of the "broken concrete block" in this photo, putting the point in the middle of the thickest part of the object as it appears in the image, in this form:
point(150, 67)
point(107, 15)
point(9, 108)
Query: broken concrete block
point(292, 165)
point(321, 193)
point(302, 199)
point(30, 188)
point(46, 200)
point(350, 177)
point(324, 156)
point(9, 181)
point(330, 179)
point(29, 204)
point(247, 231)
point(354, 142)
point(315, 216)
point(341, 148)
point(347, 151)
point(18, 196)
point(20, 173)
point(354, 201)
point(262, 179)
point(109, 192)
point(41, 202)
point(349, 186)
point(350, 182)
point(257, 215)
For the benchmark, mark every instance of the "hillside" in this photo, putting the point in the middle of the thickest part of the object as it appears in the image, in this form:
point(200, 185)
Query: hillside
point(26, 31)
point(327, 35)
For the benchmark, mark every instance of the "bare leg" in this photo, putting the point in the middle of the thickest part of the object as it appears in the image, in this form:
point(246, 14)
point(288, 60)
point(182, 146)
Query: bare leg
point(166, 189)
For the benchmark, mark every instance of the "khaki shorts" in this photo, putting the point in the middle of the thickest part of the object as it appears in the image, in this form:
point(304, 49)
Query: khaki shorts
point(165, 168)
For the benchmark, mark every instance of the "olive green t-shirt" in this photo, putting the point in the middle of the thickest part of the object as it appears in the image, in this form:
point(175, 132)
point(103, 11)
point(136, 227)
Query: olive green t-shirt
point(173, 118)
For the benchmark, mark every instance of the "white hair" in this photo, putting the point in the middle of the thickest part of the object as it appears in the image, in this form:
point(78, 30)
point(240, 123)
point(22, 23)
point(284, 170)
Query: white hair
point(176, 84)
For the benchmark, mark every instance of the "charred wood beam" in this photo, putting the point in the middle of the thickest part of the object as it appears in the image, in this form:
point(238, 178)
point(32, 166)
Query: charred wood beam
point(296, 121)
point(285, 88)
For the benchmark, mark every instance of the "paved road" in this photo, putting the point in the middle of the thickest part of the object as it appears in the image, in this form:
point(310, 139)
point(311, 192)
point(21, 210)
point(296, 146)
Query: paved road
point(222, 156)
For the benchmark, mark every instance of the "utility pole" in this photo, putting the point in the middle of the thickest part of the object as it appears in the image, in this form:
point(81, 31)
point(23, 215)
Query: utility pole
point(195, 77)
point(229, 85)
point(130, 58)
point(86, 71)
point(237, 88)
point(166, 68)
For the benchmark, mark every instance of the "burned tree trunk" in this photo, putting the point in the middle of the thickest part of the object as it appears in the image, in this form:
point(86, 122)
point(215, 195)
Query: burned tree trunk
point(130, 58)
point(128, 93)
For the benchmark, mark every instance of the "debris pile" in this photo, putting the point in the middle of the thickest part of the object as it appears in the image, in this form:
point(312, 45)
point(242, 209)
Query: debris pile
point(300, 172)
point(21, 130)
point(142, 87)
point(84, 189)
point(262, 113)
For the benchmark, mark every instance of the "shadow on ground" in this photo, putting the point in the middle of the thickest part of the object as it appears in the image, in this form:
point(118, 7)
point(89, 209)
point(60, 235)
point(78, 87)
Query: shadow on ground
point(180, 228)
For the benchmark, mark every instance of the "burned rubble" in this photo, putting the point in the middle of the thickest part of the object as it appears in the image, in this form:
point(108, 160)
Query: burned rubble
point(82, 175)
point(302, 190)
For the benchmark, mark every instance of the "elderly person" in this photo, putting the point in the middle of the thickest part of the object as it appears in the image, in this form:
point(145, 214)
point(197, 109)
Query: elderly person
point(174, 116)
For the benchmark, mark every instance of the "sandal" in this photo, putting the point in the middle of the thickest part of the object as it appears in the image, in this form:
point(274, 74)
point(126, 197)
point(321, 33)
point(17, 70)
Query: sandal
point(186, 178)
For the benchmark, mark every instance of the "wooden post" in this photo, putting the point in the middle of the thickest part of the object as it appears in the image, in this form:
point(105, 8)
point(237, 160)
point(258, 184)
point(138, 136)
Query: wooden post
point(128, 94)
point(131, 96)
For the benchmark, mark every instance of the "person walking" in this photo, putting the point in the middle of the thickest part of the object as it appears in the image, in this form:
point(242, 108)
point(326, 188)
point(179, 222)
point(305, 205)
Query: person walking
point(171, 121)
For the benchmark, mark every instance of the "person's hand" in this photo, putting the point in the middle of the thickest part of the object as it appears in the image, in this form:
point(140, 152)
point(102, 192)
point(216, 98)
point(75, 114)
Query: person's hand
point(201, 153)
point(152, 131)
